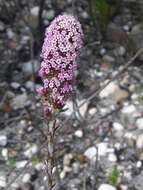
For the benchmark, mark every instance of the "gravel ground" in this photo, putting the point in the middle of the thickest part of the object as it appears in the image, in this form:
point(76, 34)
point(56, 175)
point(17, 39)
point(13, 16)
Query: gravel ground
point(101, 146)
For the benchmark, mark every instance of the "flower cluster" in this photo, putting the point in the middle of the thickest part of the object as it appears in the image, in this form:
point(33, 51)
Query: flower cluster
point(63, 40)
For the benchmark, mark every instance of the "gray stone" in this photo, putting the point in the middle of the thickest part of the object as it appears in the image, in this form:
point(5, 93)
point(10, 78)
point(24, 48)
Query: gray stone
point(108, 59)
point(30, 85)
point(32, 150)
point(27, 68)
point(34, 11)
point(49, 14)
point(15, 85)
point(136, 36)
point(19, 101)
point(2, 27)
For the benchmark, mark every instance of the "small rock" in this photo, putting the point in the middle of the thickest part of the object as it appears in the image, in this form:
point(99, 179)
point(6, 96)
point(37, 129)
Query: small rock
point(21, 164)
point(129, 109)
point(39, 166)
point(126, 28)
point(31, 151)
point(130, 138)
point(26, 178)
point(19, 101)
point(27, 68)
point(117, 146)
point(106, 187)
point(85, 15)
point(15, 85)
point(108, 58)
point(102, 149)
point(48, 14)
point(103, 51)
point(30, 85)
point(120, 51)
point(4, 153)
point(10, 33)
point(139, 142)
point(69, 108)
point(92, 111)
point(2, 180)
point(67, 159)
point(90, 153)
point(65, 171)
point(35, 11)
point(123, 187)
point(76, 167)
point(3, 140)
point(127, 175)
point(119, 95)
point(112, 157)
point(83, 108)
point(139, 123)
point(136, 37)
point(79, 133)
point(26, 186)
point(139, 164)
point(118, 126)
point(108, 90)
point(22, 123)
point(62, 175)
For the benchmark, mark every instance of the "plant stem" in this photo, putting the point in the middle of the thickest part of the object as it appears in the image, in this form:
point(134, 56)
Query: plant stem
point(49, 163)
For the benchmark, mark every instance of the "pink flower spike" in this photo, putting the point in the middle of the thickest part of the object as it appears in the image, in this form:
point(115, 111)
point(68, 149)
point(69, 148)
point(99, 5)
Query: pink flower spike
point(63, 40)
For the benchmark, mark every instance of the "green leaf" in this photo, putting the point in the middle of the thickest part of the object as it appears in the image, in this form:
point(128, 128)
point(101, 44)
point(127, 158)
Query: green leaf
point(114, 176)
point(101, 11)
point(11, 162)
point(35, 160)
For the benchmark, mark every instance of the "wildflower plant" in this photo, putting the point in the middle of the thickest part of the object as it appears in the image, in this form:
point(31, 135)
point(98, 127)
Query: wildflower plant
point(62, 42)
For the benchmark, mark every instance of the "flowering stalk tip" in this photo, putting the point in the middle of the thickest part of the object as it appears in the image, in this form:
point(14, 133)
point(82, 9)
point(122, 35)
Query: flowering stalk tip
point(63, 40)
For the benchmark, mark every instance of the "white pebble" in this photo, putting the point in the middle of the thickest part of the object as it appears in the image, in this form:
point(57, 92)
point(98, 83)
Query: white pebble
point(3, 140)
point(129, 109)
point(102, 149)
point(126, 28)
point(103, 51)
point(90, 153)
point(118, 126)
point(106, 187)
point(139, 164)
point(4, 153)
point(31, 151)
point(15, 85)
point(112, 157)
point(79, 133)
point(139, 123)
point(92, 111)
point(34, 11)
point(139, 142)
point(21, 164)
point(26, 178)
point(39, 166)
